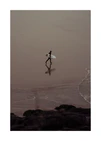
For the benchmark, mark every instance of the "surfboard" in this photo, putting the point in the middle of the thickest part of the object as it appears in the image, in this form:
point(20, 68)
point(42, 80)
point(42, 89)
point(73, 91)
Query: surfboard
point(52, 56)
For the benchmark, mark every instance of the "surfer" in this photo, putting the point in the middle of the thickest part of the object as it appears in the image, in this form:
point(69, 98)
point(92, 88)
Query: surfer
point(49, 57)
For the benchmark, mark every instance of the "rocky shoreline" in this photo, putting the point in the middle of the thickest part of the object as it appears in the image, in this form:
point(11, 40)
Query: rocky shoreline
point(62, 118)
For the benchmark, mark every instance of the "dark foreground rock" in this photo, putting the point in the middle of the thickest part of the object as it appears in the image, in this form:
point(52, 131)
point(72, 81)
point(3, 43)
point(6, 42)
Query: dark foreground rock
point(63, 118)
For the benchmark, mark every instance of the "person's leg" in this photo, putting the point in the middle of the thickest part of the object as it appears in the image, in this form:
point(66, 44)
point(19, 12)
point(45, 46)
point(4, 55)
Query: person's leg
point(47, 60)
point(50, 61)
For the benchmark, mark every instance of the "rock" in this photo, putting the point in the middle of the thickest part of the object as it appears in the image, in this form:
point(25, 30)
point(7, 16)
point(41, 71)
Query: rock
point(65, 107)
point(81, 111)
point(15, 120)
point(28, 113)
point(75, 120)
point(69, 118)
point(32, 112)
point(53, 123)
point(17, 127)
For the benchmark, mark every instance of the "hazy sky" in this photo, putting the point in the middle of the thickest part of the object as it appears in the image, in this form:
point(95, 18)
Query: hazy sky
point(34, 33)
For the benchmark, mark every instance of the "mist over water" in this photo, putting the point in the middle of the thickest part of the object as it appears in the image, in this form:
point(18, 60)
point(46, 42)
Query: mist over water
point(35, 33)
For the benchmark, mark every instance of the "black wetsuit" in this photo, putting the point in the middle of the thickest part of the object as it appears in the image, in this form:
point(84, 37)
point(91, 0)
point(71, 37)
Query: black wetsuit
point(49, 58)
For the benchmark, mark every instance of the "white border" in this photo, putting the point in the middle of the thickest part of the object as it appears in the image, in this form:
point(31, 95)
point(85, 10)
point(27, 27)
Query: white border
point(5, 8)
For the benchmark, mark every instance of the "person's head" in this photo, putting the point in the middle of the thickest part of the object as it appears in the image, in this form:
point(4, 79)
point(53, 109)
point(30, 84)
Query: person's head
point(50, 52)
point(46, 54)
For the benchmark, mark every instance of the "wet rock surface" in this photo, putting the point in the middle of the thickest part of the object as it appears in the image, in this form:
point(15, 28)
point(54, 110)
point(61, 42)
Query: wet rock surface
point(63, 118)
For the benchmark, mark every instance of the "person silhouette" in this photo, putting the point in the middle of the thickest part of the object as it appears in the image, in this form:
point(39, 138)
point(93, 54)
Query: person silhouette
point(49, 57)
